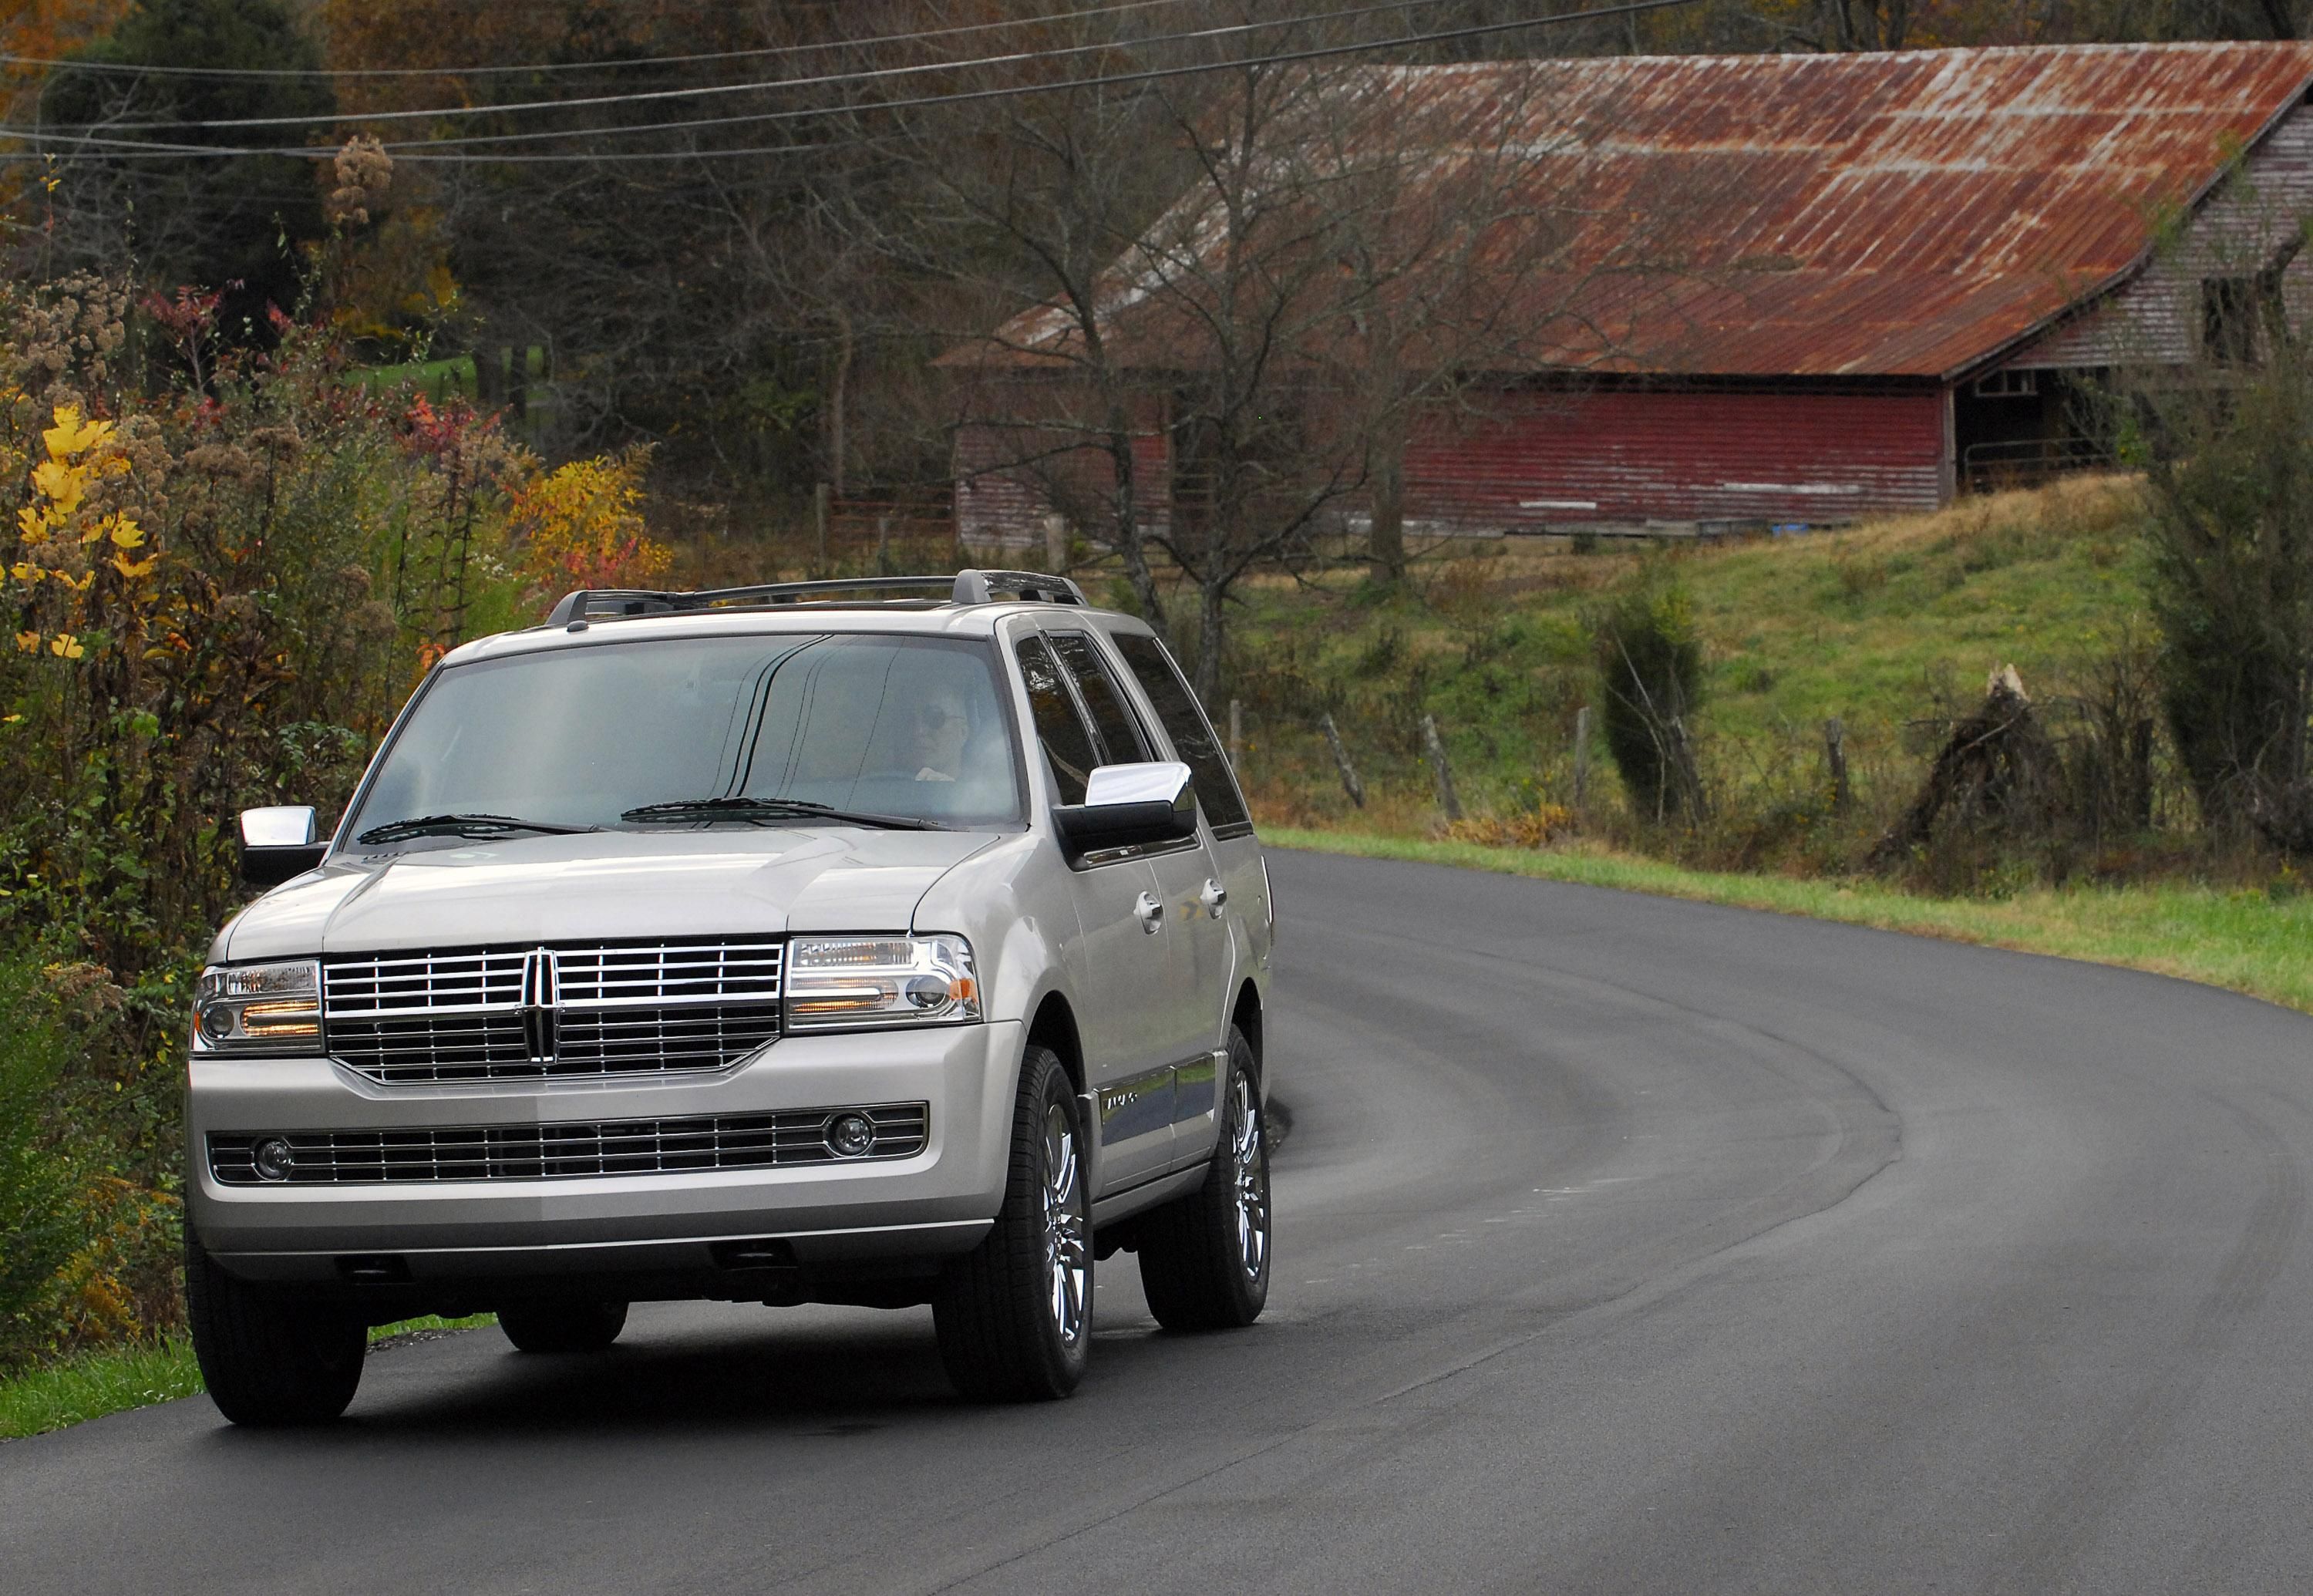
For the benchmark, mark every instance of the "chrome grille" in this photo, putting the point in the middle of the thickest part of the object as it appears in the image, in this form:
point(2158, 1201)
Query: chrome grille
point(569, 1152)
point(566, 1009)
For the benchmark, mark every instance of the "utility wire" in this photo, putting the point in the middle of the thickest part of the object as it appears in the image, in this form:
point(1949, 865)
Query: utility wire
point(825, 80)
point(416, 151)
point(131, 68)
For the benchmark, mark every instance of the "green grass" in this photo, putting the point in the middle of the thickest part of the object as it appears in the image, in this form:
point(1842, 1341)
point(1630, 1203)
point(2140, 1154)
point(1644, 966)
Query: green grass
point(2244, 940)
point(437, 380)
point(93, 1384)
point(89, 1385)
point(1869, 624)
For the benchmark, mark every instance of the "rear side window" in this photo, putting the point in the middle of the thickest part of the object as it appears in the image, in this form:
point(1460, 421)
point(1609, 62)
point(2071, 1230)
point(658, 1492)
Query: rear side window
point(1119, 731)
point(1067, 742)
point(1191, 734)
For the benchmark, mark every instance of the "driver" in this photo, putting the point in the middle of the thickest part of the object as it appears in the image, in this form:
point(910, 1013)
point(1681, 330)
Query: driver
point(937, 733)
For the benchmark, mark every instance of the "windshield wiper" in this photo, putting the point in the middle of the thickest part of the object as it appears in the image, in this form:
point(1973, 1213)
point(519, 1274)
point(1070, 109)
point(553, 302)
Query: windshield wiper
point(464, 825)
point(763, 809)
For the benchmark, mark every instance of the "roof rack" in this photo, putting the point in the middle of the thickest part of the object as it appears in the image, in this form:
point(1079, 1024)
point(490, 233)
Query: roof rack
point(965, 588)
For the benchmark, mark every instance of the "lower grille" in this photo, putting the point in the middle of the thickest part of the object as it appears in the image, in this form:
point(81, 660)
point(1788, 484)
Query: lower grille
point(568, 1151)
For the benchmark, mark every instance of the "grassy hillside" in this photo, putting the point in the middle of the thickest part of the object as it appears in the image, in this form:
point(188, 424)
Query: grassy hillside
point(1879, 625)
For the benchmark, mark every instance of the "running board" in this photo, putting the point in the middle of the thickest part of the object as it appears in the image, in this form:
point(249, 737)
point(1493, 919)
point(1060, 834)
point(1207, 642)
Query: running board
point(1147, 1195)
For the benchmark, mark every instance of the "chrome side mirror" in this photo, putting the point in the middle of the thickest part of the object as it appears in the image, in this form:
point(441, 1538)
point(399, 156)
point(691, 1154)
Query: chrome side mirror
point(1128, 805)
point(277, 843)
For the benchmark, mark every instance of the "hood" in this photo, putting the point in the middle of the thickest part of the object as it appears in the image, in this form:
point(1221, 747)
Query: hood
point(724, 882)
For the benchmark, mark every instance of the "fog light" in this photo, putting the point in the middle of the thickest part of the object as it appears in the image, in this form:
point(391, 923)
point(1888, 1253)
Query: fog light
point(217, 1019)
point(271, 1159)
point(849, 1135)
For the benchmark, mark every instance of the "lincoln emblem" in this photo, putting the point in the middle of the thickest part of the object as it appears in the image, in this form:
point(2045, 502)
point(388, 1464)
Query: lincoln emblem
point(539, 997)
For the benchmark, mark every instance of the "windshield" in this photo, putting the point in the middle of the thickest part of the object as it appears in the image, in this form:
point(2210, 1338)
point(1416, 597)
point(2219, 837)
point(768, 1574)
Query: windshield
point(912, 728)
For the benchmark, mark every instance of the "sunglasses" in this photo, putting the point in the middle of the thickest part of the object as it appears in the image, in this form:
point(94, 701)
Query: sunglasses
point(936, 717)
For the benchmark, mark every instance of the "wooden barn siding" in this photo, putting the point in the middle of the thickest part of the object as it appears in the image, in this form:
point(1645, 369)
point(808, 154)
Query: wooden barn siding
point(999, 500)
point(2157, 318)
point(1543, 460)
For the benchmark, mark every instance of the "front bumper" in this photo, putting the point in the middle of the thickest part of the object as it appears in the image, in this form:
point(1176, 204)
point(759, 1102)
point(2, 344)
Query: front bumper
point(938, 1200)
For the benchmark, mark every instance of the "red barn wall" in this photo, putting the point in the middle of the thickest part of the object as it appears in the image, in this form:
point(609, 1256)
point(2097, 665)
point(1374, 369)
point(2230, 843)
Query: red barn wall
point(1539, 459)
point(1009, 474)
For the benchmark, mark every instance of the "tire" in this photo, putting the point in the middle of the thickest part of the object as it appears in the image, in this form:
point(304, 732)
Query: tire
point(562, 1327)
point(268, 1360)
point(1015, 1314)
point(1204, 1257)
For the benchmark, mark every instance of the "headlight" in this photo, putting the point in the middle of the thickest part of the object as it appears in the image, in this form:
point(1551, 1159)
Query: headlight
point(259, 1009)
point(865, 983)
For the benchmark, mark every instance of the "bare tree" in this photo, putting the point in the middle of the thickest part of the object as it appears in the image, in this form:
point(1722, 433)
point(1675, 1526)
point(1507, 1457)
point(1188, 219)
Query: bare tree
point(1349, 256)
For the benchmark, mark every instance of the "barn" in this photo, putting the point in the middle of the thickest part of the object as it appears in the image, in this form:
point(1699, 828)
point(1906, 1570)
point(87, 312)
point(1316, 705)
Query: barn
point(1895, 271)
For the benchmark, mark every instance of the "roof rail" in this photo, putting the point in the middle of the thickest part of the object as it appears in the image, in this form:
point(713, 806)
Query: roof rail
point(988, 587)
point(965, 588)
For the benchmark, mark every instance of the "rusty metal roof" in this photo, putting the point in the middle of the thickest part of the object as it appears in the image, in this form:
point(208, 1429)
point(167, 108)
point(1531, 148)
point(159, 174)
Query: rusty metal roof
point(1895, 215)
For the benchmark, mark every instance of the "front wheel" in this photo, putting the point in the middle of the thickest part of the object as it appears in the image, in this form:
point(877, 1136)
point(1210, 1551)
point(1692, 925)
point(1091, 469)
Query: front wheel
point(268, 1360)
point(1015, 1314)
point(1204, 1258)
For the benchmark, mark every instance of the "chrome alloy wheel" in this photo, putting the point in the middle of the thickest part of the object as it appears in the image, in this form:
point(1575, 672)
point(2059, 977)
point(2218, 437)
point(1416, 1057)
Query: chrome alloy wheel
point(1068, 1256)
point(1249, 1174)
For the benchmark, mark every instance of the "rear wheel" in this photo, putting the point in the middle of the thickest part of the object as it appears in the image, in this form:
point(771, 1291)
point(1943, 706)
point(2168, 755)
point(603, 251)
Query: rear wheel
point(1015, 1314)
point(562, 1327)
point(269, 1360)
point(1204, 1258)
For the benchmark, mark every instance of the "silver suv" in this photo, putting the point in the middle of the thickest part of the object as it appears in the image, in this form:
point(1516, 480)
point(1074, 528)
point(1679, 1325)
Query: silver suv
point(887, 942)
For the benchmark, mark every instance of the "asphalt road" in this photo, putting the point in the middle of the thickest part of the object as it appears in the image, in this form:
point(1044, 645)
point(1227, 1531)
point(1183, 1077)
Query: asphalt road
point(1622, 1244)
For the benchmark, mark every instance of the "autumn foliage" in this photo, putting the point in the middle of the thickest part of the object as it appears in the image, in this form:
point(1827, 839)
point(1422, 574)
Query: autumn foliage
point(224, 579)
point(582, 526)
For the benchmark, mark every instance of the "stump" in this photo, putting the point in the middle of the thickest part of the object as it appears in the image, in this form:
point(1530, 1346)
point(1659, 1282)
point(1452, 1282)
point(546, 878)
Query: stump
point(1997, 763)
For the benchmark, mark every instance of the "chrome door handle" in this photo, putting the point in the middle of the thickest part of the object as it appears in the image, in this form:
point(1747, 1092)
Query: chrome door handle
point(1214, 898)
point(1151, 912)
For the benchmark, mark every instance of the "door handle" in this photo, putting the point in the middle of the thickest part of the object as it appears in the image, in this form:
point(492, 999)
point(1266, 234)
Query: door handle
point(1214, 898)
point(1151, 912)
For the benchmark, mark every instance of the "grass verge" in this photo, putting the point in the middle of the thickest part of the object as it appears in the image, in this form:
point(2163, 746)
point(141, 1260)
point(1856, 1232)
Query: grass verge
point(2245, 941)
point(89, 1385)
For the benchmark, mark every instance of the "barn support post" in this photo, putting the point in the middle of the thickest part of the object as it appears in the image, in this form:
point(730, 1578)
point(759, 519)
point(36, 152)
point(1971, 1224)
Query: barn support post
point(1350, 782)
point(1447, 799)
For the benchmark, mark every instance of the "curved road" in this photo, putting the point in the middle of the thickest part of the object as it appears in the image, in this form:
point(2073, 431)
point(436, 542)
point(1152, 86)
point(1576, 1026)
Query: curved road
point(1624, 1245)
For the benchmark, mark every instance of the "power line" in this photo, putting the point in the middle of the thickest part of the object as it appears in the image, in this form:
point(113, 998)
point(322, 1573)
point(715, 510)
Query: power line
point(122, 148)
point(131, 68)
point(825, 80)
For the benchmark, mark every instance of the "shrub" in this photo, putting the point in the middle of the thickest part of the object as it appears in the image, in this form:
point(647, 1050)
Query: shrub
point(1650, 663)
point(2228, 455)
point(222, 589)
point(38, 1221)
point(581, 526)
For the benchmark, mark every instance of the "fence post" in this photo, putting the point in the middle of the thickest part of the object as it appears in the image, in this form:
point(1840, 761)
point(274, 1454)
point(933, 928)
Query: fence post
point(1236, 735)
point(820, 507)
point(1447, 800)
point(883, 545)
point(1834, 749)
point(1350, 782)
point(1581, 759)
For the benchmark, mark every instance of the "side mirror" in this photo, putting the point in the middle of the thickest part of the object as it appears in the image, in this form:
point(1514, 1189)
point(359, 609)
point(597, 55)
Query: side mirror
point(278, 842)
point(1128, 805)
